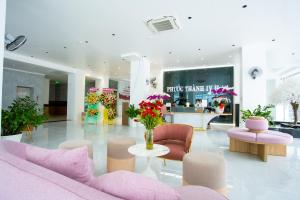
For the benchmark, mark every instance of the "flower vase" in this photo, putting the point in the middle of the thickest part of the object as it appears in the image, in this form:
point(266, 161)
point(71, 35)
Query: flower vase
point(219, 110)
point(149, 139)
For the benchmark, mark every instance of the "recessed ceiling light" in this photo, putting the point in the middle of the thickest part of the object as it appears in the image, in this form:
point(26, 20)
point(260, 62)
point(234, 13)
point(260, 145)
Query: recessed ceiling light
point(245, 6)
point(273, 40)
point(189, 17)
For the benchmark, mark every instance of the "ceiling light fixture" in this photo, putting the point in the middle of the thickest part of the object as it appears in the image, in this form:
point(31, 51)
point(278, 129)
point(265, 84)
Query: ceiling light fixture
point(189, 17)
point(245, 6)
point(273, 40)
point(113, 34)
point(199, 49)
point(233, 45)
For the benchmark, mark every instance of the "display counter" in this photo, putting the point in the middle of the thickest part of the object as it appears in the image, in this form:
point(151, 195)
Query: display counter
point(189, 116)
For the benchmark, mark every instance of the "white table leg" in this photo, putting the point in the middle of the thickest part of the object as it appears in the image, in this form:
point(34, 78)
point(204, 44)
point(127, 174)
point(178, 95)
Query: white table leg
point(149, 171)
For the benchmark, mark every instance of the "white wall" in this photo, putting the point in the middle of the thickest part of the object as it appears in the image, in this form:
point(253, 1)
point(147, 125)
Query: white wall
point(2, 33)
point(253, 91)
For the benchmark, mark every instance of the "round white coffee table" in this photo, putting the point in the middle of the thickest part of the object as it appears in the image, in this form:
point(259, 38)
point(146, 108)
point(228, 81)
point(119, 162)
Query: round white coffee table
point(140, 150)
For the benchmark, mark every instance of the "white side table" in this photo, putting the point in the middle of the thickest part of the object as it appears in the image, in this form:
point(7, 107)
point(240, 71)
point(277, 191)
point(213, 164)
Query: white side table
point(140, 150)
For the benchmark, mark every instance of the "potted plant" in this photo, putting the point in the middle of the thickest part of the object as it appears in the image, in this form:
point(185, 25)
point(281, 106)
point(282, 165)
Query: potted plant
point(132, 113)
point(265, 112)
point(22, 115)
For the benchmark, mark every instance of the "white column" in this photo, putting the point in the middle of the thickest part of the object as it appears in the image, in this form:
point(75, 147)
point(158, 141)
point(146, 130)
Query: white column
point(104, 83)
point(253, 90)
point(76, 88)
point(139, 74)
point(46, 91)
point(2, 34)
point(98, 83)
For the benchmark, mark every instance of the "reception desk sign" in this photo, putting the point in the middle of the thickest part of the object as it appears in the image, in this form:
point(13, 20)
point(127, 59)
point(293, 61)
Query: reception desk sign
point(194, 88)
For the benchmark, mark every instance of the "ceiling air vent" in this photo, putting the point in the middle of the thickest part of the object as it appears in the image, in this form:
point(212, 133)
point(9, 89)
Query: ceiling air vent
point(163, 24)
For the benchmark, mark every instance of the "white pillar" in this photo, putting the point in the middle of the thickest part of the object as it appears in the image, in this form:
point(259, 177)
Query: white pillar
point(104, 82)
point(253, 90)
point(98, 83)
point(46, 91)
point(76, 88)
point(139, 74)
point(2, 34)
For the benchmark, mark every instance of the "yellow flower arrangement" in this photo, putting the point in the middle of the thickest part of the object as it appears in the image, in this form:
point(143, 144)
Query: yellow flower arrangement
point(92, 98)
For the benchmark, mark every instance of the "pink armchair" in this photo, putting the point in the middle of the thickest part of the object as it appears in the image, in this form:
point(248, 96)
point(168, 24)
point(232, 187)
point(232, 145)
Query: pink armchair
point(178, 137)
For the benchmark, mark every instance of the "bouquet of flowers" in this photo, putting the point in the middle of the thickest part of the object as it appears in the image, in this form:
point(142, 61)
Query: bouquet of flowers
point(92, 98)
point(221, 98)
point(92, 112)
point(112, 113)
point(108, 99)
point(150, 116)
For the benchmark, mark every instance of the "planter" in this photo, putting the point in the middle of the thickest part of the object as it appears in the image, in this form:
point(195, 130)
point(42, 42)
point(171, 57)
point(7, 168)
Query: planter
point(257, 124)
point(219, 110)
point(15, 138)
point(132, 123)
point(149, 139)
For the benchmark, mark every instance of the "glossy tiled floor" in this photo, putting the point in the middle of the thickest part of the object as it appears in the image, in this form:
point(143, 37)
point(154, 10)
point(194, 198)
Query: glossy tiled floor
point(248, 178)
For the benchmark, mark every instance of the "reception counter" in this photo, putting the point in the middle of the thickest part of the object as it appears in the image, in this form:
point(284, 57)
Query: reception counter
point(196, 119)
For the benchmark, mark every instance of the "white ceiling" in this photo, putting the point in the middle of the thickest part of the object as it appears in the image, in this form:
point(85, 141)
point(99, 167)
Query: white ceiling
point(215, 26)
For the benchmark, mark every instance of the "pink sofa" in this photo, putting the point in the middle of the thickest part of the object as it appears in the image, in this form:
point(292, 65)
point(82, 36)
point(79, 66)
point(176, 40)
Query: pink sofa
point(23, 180)
point(178, 137)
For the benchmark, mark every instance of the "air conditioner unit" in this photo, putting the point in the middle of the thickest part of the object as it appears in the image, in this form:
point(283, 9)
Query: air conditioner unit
point(165, 23)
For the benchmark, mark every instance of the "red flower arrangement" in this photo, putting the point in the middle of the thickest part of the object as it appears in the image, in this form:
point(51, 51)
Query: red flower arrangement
point(150, 112)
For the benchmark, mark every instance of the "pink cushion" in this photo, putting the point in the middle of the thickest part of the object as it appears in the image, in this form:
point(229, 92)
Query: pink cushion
point(73, 163)
point(274, 137)
point(192, 192)
point(259, 125)
point(242, 134)
point(268, 137)
point(132, 186)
